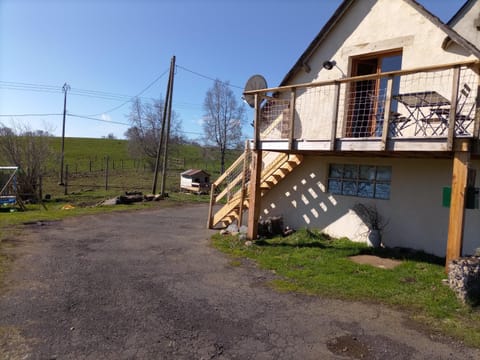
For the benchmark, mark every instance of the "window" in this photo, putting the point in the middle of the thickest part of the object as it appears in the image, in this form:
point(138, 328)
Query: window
point(367, 181)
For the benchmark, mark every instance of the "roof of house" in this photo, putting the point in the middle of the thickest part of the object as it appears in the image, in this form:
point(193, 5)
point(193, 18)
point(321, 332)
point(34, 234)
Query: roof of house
point(192, 172)
point(340, 12)
point(461, 12)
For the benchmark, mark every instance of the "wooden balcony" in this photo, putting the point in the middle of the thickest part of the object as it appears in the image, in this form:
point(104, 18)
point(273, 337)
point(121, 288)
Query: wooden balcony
point(420, 110)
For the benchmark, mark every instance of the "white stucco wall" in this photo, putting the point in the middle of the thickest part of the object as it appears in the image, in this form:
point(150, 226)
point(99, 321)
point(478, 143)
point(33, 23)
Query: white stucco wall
point(378, 26)
point(416, 217)
point(465, 25)
point(371, 26)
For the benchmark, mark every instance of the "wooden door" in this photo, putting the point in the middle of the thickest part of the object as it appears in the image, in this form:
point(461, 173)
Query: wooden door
point(363, 95)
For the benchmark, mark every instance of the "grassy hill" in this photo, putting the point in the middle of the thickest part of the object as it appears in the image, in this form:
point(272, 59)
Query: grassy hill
point(86, 160)
point(80, 151)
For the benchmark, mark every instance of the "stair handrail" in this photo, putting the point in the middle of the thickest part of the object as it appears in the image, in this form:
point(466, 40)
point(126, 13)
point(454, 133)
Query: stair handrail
point(214, 199)
point(239, 198)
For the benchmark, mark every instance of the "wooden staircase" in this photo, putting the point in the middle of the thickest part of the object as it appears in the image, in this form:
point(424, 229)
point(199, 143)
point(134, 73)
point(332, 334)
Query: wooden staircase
point(277, 170)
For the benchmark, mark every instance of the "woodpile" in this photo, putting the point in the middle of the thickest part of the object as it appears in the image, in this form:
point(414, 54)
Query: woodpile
point(464, 279)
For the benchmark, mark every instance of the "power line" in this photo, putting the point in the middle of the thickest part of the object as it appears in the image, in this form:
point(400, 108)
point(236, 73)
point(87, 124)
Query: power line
point(208, 77)
point(132, 98)
point(96, 119)
point(126, 124)
point(20, 115)
point(20, 86)
point(90, 118)
point(30, 86)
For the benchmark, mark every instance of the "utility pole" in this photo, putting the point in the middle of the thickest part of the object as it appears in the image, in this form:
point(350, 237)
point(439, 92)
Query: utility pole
point(65, 89)
point(167, 134)
point(166, 113)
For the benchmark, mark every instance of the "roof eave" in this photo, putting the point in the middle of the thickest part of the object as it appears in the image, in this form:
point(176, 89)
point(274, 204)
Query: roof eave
point(302, 62)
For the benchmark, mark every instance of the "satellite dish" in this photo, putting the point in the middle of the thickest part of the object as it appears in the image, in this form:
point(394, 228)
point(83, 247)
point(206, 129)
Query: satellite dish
point(256, 82)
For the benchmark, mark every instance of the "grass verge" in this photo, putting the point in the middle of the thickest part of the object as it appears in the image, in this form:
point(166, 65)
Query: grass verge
point(311, 263)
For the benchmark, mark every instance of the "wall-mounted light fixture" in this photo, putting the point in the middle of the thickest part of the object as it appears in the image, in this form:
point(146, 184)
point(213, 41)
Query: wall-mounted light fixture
point(329, 64)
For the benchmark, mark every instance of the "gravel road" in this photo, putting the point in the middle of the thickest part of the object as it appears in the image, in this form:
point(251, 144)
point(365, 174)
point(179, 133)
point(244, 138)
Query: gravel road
point(147, 285)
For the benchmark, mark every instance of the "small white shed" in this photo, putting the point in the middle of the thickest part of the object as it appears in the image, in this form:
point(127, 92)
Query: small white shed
point(194, 180)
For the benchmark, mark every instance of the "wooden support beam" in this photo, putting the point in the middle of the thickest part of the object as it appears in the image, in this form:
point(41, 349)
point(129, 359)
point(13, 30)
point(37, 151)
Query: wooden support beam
point(256, 121)
point(243, 191)
point(210, 208)
point(291, 132)
point(453, 108)
point(255, 195)
point(387, 112)
point(333, 132)
point(476, 126)
point(457, 206)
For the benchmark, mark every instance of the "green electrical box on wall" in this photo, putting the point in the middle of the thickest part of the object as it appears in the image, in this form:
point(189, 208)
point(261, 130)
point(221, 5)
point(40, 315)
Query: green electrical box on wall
point(447, 195)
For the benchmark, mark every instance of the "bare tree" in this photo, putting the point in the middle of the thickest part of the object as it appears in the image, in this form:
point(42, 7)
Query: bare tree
point(29, 150)
point(144, 135)
point(222, 124)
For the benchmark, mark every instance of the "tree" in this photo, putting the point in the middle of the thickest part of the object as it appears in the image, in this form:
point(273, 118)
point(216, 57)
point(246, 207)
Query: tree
point(222, 124)
point(26, 149)
point(144, 135)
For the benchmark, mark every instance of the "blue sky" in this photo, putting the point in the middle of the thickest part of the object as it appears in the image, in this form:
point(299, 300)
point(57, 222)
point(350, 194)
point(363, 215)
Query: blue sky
point(114, 49)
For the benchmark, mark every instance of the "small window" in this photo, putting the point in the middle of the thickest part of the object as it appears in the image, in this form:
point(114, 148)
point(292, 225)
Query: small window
point(368, 181)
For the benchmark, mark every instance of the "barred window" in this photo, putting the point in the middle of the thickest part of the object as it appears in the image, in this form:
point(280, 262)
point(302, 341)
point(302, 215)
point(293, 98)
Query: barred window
point(367, 181)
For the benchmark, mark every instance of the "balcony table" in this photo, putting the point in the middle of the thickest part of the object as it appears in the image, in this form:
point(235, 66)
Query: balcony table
point(423, 108)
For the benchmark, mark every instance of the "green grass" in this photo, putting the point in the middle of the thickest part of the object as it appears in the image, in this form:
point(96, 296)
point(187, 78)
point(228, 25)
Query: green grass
point(79, 152)
point(87, 188)
point(86, 163)
point(84, 204)
point(310, 263)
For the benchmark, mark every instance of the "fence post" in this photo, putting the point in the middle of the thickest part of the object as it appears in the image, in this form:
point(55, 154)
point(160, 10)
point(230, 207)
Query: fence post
point(65, 188)
point(40, 191)
point(106, 172)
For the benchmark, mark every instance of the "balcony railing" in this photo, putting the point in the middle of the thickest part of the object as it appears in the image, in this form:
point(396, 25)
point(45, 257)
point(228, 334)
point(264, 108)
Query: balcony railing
point(437, 103)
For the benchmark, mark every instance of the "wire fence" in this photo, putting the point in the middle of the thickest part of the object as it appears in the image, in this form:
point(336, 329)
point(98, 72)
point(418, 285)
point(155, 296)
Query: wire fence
point(120, 175)
point(419, 106)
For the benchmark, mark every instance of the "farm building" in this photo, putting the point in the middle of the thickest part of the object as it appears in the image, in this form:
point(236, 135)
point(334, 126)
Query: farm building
point(196, 181)
point(380, 110)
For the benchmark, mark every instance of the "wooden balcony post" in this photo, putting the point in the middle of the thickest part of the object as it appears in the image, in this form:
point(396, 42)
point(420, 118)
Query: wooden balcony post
point(457, 206)
point(476, 124)
point(244, 181)
point(333, 133)
point(210, 208)
point(453, 108)
point(255, 195)
point(256, 121)
point(291, 133)
point(387, 113)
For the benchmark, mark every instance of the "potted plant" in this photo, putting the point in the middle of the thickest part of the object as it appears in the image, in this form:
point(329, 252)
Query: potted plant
point(370, 216)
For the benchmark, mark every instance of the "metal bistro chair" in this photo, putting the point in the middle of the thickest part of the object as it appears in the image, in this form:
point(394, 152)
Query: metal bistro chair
point(463, 118)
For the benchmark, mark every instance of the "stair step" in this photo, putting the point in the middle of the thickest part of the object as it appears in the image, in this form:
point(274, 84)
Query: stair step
point(275, 172)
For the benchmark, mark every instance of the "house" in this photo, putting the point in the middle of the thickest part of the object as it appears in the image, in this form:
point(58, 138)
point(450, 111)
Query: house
point(194, 180)
point(381, 110)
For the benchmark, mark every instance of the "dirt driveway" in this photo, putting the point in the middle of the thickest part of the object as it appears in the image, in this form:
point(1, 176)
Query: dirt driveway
point(147, 285)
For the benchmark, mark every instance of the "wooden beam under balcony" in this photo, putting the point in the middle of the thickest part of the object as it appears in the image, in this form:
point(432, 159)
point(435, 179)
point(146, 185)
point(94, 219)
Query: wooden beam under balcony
point(420, 144)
